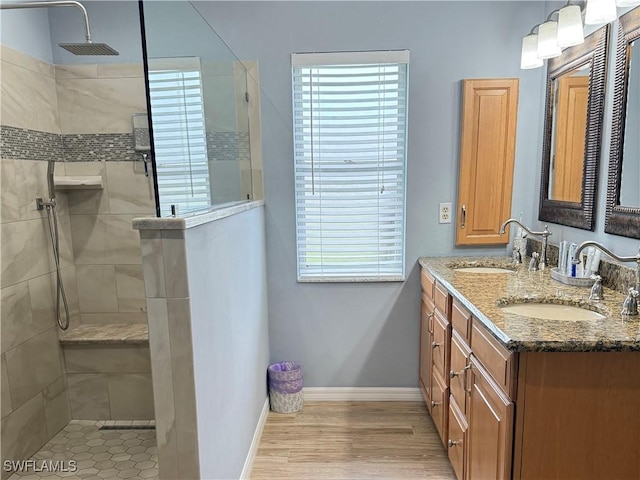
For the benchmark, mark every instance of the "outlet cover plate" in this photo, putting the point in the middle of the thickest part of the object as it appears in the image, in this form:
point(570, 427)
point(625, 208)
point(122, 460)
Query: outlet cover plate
point(445, 213)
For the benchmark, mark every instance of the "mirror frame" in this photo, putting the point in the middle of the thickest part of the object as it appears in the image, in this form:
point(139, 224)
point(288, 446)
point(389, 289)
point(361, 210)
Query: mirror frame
point(582, 214)
point(621, 220)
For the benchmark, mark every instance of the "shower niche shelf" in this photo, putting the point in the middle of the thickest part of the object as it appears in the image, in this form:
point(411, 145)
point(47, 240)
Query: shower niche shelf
point(79, 182)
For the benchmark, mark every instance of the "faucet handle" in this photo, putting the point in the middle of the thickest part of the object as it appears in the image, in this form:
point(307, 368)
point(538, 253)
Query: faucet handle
point(596, 290)
point(630, 305)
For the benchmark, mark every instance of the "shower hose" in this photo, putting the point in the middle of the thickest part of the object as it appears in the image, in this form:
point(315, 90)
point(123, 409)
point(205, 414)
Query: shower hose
point(52, 218)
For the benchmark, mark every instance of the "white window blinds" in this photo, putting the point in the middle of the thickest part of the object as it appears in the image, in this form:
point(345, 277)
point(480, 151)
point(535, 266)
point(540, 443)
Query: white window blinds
point(177, 113)
point(350, 129)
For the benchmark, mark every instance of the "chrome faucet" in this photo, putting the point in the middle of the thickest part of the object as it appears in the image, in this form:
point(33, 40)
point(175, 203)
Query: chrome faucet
point(630, 305)
point(544, 235)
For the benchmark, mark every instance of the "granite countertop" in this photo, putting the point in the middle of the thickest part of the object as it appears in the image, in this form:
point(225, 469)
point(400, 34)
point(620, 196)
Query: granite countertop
point(481, 293)
point(113, 333)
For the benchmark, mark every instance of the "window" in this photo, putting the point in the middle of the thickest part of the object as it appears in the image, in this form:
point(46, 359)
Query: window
point(177, 113)
point(350, 129)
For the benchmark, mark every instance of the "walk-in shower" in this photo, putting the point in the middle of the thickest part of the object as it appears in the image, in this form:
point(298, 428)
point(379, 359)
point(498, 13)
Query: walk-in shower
point(86, 48)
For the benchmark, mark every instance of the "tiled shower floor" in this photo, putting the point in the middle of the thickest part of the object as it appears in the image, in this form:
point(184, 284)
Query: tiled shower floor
point(99, 454)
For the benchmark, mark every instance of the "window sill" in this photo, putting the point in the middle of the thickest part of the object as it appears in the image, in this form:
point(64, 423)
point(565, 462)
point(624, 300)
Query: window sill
point(396, 278)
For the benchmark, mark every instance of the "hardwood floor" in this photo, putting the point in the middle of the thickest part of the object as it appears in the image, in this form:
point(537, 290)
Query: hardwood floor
point(352, 440)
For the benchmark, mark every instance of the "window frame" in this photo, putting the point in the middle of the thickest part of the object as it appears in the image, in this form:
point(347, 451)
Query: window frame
point(373, 59)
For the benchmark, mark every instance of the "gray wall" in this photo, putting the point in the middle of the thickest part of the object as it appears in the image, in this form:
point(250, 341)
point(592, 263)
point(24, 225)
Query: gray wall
point(367, 334)
point(15, 23)
point(227, 281)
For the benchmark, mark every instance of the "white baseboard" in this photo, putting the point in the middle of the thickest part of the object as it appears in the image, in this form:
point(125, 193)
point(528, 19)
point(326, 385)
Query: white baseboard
point(362, 394)
point(255, 442)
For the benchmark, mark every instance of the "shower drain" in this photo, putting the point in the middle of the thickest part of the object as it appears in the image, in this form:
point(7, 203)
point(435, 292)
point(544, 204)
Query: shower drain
point(127, 427)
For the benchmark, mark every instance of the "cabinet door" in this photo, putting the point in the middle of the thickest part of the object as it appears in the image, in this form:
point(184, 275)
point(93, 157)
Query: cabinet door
point(457, 440)
point(440, 406)
point(426, 328)
point(459, 371)
point(487, 153)
point(490, 434)
point(440, 345)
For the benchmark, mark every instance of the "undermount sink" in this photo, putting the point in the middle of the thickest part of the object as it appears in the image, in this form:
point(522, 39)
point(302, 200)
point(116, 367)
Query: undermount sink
point(549, 311)
point(483, 270)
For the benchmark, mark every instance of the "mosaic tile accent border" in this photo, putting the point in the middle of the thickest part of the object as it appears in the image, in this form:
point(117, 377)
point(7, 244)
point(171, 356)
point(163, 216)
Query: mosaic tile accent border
point(99, 147)
point(228, 146)
point(24, 144)
point(614, 276)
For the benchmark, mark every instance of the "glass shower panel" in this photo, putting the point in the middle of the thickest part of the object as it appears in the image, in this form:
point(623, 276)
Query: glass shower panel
point(199, 111)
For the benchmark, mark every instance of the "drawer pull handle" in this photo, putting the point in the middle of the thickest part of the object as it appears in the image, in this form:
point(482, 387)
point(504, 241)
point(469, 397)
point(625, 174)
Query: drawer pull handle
point(434, 404)
point(454, 374)
point(430, 315)
point(435, 344)
point(452, 443)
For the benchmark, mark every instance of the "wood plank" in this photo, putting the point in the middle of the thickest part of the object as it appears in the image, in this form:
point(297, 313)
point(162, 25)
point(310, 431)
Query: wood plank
point(352, 440)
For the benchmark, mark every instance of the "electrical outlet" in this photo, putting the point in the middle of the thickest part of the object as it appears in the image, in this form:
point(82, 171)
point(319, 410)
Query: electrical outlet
point(445, 213)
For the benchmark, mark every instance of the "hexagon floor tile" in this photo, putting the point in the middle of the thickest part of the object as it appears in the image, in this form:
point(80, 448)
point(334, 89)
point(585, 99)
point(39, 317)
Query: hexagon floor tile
point(103, 454)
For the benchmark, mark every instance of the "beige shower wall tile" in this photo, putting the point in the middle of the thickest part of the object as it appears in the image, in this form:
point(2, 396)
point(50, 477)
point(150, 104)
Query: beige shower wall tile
point(65, 242)
point(97, 288)
point(105, 240)
point(89, 396)
point(103, 105)
point(110, 359)
point(130, 288)
point(120, 70)
point(23, 60)
point(24, 430)
point(5, 392)
point(76, 71)
point(70, 282)
point(22, 182)
point(43, 304)
point(57, 412)
point(15, 311)
point(33, 365)
point(29, 99)
point(131, 396)
point(130, 191)
point(24, 251)
point(153, 263)
point(110, 318)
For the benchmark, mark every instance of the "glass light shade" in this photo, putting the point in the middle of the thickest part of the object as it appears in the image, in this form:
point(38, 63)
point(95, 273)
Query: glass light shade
point(570, 31)
point(529, 58)
point(627, 3)
point(548, 40)
point(600, 12)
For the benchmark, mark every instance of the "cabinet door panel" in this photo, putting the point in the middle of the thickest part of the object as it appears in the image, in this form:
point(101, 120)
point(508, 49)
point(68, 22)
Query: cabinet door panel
point(490, 433)
point(426, 326)
point(440, 405)
point(459, 371)
point(457, 440)
point(440, 344)
point(487, 155)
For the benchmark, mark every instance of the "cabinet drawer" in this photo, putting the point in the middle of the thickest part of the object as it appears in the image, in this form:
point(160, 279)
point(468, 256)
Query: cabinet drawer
point(442, 300)
point(461, 319)
point(440, 405)
point(459, 372)
point(427, 282)
point(496, 359)
point(456, 444)
point(440, 344)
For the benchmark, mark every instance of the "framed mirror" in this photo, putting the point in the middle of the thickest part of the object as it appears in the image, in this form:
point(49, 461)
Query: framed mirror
point(573, 133)
point(623, 189)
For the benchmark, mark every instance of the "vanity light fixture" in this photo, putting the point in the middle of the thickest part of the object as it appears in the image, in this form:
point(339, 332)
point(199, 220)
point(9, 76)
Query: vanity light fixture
point(529, 57)
point(600, 12)
point(570, 29)
point(548, 40)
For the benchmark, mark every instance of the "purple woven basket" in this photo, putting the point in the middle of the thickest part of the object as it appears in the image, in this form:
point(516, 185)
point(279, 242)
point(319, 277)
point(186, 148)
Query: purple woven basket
point(285, 377)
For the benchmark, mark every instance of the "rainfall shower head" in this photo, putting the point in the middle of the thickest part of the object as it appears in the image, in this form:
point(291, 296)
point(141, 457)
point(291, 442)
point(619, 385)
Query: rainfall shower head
point(86, 48)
